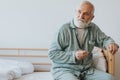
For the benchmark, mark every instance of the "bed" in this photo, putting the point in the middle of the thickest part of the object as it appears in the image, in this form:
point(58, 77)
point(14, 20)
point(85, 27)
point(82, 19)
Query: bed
point(38, 64)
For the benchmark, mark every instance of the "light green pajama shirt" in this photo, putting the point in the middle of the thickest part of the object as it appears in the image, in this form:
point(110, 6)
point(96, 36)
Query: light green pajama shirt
point(66, 43)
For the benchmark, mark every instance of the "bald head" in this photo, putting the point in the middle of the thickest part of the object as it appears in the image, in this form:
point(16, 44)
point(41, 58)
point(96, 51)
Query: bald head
point(88, 4)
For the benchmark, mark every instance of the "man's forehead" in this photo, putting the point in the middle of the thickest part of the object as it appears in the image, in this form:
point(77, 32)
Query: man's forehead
point(85, 4)
point(85, 7)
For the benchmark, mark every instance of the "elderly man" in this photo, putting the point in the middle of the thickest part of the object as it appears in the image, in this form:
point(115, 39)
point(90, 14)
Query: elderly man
point(71, 49)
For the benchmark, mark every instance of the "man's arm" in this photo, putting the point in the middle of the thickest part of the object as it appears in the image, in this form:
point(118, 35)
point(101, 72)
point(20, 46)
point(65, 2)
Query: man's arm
point(58, 52)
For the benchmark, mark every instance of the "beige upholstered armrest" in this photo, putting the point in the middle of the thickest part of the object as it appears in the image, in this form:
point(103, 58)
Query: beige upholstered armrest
point(110, 61)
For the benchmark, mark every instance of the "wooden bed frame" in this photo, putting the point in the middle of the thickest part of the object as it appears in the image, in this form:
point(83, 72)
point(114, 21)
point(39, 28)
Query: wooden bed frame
point(41, 65)
point(110, 58)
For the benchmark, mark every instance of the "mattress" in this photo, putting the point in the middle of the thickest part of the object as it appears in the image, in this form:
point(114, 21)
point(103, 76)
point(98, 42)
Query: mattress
point(37, 76)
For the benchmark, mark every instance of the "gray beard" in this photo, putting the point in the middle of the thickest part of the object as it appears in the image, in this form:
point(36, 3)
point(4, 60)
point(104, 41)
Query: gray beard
point(80, 24)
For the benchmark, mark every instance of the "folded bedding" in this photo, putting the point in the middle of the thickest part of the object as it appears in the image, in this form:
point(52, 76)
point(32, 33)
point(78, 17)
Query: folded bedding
point(3, 77)
point(10, 73)
point(12, 69)
point(26, 67)
point(37, 76)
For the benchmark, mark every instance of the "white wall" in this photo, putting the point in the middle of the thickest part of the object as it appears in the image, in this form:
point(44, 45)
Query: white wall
point(32, 23)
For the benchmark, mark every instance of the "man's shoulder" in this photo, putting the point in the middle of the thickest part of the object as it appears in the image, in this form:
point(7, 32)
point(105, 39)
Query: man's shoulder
point(93, 25)
point(65, 26)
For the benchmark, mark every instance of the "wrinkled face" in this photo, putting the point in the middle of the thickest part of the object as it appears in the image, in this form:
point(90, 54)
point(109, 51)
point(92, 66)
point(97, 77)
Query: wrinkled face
point(84, 12)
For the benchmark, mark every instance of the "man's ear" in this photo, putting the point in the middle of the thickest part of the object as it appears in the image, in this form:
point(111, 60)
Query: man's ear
point(92, 17)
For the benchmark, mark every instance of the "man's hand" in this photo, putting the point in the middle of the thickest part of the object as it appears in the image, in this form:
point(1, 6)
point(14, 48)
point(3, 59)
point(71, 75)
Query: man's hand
point(81, 54)
point(113, 48)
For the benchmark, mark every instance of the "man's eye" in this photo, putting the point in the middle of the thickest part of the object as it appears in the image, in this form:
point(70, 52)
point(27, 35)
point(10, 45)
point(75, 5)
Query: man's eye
point(87, 14)
point(79, 11)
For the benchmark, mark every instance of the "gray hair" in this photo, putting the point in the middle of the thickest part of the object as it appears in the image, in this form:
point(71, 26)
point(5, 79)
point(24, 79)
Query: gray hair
point(88, 3)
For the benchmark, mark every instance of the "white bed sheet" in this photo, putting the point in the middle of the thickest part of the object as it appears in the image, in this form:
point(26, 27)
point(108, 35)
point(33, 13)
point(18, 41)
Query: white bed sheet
point(37, 76)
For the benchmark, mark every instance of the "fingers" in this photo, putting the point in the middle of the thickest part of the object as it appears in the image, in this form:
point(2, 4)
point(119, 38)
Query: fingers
point(81, 54)
point(84, 54)
point(113, 48)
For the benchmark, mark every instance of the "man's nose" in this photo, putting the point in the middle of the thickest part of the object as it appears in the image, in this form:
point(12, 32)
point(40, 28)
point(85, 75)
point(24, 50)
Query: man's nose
point(81, 16)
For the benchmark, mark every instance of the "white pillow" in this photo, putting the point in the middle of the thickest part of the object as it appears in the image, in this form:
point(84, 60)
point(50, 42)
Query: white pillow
point(9, 72)
point(99, 59)
point(3, 76)
point(25, 67)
